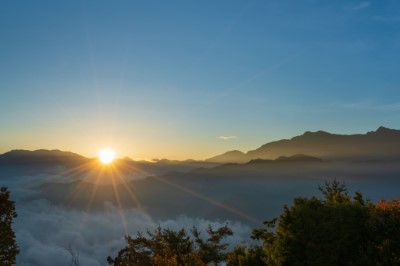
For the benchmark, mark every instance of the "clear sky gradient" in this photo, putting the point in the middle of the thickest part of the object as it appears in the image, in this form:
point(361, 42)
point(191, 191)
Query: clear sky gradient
point(167, 79)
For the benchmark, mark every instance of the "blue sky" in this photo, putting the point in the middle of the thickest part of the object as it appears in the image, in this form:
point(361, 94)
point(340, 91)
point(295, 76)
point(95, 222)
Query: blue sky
point(156, 79)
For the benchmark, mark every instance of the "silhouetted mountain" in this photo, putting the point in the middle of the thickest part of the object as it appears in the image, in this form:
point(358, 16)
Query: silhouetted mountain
point(382, 144)
point(167, 161)
point(40, 157)
point(230, 156)
point(24, 162)
point(298, 164)
point(297, 158)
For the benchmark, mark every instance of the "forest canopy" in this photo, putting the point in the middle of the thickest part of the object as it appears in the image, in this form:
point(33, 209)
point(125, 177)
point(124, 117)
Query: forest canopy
point(336, 229)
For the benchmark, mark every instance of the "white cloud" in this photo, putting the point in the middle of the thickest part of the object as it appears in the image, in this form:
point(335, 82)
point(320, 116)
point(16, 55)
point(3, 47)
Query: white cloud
point(44, 230)
point(228, 137)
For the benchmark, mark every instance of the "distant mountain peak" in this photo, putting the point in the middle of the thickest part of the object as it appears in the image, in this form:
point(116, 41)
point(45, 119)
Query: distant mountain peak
point(382, 129)
point(316, 133)
point(233, 156)
point(384, 143)
point(234, 152)
point(41, 152)
point(42, 155)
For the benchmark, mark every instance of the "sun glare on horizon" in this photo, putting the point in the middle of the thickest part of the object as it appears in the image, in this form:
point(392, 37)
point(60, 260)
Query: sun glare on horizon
point(106, 156)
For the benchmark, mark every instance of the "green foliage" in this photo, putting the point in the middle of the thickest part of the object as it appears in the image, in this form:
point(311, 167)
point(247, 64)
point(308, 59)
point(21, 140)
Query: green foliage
point(335, 230)
point(168, 247)
point(334, 192)
point(8, 246)
point(384, 225)
point(211, 249)
point(246, 256)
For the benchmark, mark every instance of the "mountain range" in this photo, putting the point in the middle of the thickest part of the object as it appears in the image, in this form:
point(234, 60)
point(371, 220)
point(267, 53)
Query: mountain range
point(42, 156)
point(237, 186)
point(382, 144)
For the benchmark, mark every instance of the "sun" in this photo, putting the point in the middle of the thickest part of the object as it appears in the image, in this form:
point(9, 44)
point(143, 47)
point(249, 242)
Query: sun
point(106, 156)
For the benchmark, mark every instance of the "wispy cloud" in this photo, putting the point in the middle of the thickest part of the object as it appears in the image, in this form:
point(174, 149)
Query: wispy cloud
point(228, 137)
point(357, 6)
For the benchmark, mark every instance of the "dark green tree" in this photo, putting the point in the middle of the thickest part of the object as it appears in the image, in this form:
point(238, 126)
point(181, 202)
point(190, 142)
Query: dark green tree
point(384, 232)
point(336, 229)
point(169, 248)
point(212, 250)
point(246, 256)
point(328, 231)
point(8, 246)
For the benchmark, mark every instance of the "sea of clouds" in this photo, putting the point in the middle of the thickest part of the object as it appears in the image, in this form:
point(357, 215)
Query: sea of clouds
point(45, 231)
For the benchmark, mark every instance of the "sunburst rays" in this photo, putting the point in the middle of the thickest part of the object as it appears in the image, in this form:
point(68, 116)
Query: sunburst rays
point(117, 175)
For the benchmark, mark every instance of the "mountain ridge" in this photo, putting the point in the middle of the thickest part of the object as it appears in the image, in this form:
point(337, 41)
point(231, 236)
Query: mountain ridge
point(381, 143)
point(21, 156)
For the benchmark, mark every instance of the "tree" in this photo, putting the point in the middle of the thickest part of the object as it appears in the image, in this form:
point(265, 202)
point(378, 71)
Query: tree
point(246, 256)
point(8, 246)
point(330, 231)
point(168, 247)
point(334, 192)
point(336, 229)
point(212, 250)
point(384, 232)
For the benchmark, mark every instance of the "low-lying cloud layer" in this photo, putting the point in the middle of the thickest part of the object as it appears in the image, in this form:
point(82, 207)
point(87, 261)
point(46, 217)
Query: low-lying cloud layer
point(44, 231)
point(45, 228)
